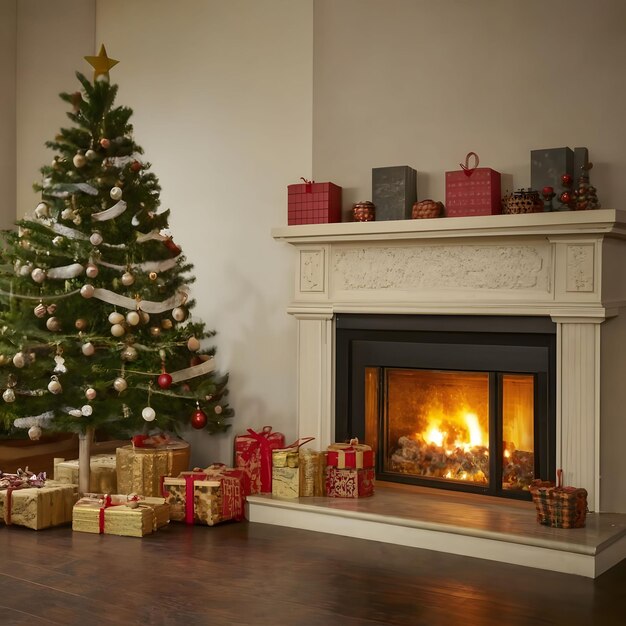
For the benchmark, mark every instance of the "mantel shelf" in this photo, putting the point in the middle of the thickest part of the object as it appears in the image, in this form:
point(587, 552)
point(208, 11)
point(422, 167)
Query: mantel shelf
point(602, 221)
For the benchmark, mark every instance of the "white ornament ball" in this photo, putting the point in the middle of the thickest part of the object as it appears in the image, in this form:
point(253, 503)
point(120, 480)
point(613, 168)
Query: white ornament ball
point(193, 344)
point(38, 275)
point(116, 193)
point(179, 314)
point(116, 318)
point(54, 386)
point(127, 279)
point(90, 393)
point(87, 291)
point(42, 210)
point(79, 160)
point(19, 360)
point(53, 324)
point(91, 154)
point(40, 310)
point(86, 410)
point(88, 348)
point(133, 318)
point(91, 270)
point(120, 384)
point(8, 395)
point(218, 409)
point(95, 239)
point(148, 414)
point(117, 330)
point(25, 270)
point(34, 432)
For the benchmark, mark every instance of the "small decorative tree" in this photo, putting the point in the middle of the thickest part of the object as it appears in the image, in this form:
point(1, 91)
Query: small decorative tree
point(95, 325)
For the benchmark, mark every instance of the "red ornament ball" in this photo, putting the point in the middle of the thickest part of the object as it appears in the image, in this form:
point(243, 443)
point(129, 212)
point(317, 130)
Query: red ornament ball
point(565, 197)
point(136, 166)
point(198, 419)
point(105, 143)
point(164, 380)
point(566, 179)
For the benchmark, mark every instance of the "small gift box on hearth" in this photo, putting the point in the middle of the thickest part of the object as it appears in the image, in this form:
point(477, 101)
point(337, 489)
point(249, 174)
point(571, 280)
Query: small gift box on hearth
point(206, 496)
point(312, 473)
point(29, 500)
point(142, 465)
point(102, 475)
point(558, 506)
point(127, 516)
point(313, 203)
point(350, 471)
point(286, 469)
point(472, 190)
point(253, 455)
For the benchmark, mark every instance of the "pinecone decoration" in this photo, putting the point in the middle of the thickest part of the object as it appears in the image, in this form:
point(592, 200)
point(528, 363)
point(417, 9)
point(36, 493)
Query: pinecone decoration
point(586, 194)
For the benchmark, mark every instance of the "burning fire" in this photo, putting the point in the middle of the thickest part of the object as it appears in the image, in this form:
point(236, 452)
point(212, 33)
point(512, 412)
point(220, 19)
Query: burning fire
point(435, 435)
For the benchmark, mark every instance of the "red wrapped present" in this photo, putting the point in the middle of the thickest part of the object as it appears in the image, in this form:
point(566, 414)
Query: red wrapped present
point(472, 190)
point(350, 455)
point(206, 496)
point(313, 203)
point(349, 483)
point(253, 455)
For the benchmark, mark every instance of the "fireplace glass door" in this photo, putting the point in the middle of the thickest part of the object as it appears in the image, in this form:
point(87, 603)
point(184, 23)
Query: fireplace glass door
point(450, 402)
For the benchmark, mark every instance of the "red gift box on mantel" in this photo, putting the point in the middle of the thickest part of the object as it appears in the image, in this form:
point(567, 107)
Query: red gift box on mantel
point(253, 454)
point(349, 483)
point(473, 190)
point(313, 203)
point(353, 455)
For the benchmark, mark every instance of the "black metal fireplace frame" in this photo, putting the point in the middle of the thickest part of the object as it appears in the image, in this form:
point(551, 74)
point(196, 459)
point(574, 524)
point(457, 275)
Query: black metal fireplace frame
point(494, 344)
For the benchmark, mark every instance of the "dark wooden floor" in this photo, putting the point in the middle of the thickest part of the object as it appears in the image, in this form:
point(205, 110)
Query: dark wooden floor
point(258, 574)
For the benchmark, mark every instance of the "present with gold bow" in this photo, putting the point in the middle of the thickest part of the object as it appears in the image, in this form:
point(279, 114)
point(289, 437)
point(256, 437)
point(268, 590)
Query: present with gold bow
point(353, 455)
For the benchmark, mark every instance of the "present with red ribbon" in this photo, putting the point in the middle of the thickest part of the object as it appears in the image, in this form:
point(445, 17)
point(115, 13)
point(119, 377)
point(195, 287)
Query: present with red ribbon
point(353, 455)
point(473, 190)
point(286, 469)
point(253, 455)
point(349, 483)
point(127, 516)
point(313, 203)
point(206, 496)
point(28, 499)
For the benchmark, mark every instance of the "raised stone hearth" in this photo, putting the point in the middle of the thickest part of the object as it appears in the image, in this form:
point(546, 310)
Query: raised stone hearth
point(568, 266)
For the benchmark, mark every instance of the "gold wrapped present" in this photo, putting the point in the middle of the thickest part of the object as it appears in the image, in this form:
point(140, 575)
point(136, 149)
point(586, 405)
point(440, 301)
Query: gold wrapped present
point(206, 496)
point(38, 507)
point(119, 515)
point(140, 470)
point(312, 473)
point(286, 469)
point(102, 476)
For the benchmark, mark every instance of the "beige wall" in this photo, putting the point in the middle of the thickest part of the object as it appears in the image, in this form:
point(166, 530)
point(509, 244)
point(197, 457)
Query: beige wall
point(221, 93)
point(8, 36)
point(52, 38)
point(421, 83)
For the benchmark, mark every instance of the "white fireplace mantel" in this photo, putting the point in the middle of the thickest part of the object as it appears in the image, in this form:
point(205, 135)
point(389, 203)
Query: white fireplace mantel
point(566, 265)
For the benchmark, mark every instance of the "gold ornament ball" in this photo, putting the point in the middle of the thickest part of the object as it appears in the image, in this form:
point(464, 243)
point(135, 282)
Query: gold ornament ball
point(179, 314)
point(53, 324)
point(145, 317)
point(92, 270)
point(19, 360)
point(34, 433)
point(155, 331)
point(87, 291)
point(116, 318)
point(193, 344)
point(120, 384)
point(91, 154)
point(88, 349)
point(117, 330)
point(80, 324)
point(38, 275)
point(133, 318)
point(79, 160)
point(54, 386)
point(8, 396)
point(129, 353)
point(166, 324)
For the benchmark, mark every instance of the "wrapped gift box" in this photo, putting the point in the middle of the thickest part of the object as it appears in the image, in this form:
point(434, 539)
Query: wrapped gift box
point(253, 455)
point(102, 475)
point(473, 190)
point(119, 515)
point(312, 473)
point(208, 496)
point(37, 507)
point(349, 483)
point(140, 470)
point(313, 203)
point(394, 192)
point(286, 469)
point(353, 455)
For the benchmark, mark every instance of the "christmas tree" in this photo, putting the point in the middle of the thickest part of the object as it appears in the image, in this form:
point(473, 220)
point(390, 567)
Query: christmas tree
point(95, 327)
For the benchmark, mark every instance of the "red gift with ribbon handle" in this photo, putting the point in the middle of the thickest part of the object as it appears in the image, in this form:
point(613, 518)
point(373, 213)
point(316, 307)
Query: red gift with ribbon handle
point(473, 190)
point(253, 455)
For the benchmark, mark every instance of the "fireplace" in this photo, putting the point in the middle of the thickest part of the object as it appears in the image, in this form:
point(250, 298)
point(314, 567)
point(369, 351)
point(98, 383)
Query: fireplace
point(449, 401)
point(502, 287)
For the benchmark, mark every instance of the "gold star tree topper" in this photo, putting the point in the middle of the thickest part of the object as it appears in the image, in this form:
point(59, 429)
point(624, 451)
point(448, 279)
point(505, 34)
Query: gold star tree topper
point(101, 63)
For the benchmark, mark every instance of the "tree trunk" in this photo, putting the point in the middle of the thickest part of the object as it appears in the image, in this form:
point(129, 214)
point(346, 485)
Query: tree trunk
point(84, 457)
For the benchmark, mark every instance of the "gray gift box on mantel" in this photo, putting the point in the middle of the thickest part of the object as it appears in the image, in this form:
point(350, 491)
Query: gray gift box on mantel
point(548, 165)
point(394, 192)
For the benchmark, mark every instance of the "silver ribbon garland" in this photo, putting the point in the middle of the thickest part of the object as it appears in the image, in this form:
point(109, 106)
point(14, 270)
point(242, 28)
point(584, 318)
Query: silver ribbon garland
point(147, 266)
point(110, 214)
point(66, 271)
point(148, 306)
point(34, 420)
point(153, 234)
point(195, 370)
